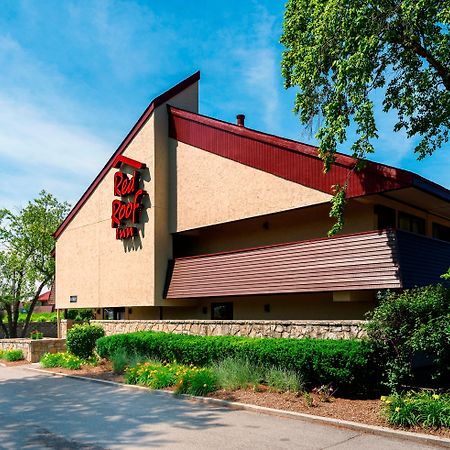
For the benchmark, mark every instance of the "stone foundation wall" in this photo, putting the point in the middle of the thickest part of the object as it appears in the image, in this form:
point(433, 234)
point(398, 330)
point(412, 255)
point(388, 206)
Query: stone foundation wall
point(325, 329)
point(34, 349)
point(49, 329)
point(67, 325)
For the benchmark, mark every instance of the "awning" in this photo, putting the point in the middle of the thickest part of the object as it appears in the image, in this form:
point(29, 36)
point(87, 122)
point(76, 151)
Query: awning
point(370, 260)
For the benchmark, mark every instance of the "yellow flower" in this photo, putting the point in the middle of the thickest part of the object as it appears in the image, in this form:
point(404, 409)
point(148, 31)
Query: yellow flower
point(388, 401)
point(205, 385)
point(383, 398)
point(436, 396)
point(397, 409)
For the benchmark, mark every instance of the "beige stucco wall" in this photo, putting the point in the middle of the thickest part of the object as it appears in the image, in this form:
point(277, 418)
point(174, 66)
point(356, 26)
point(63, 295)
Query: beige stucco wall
point(102, 271)
point(211, 189)
point(282, 307)
point(290, 226)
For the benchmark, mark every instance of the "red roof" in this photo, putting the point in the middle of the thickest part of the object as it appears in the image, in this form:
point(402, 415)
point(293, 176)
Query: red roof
point(44, 297)
point(290, 159)
point(284, 158)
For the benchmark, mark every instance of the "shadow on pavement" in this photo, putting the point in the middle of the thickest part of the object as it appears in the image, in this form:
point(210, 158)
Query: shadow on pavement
point(39, 411)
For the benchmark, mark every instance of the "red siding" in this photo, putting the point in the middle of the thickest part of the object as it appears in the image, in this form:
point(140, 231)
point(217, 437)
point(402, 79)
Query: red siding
point(359, 261)
point(287, 159)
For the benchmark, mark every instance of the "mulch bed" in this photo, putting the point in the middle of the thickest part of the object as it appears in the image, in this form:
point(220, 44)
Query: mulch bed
point(355, 410)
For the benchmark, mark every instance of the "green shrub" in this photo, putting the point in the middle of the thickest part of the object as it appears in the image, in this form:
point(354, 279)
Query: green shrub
point(195, 381)
point(418, 408)
point(119, 361)
point(80, 315)
point(405, 325)
point(186, 379)
point(237, 373)
point(281, 380)
point(347, 364)
point(12, 355)
point(81, 339)
point(38, 317)
point(65, 360)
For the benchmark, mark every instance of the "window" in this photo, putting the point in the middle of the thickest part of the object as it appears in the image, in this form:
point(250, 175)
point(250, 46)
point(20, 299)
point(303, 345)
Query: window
point(408, 222)
point(386, 217)
point(222, 311)
point(441, 232)
point(114, 313)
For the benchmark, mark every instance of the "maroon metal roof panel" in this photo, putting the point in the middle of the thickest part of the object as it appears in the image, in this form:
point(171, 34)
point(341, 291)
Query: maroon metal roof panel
point(359, 261)
point(285, 158)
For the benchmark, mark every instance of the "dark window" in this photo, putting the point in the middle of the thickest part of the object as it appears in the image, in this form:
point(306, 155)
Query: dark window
point(114, 313)
point(441, 232)
point(386, 217)
point(222, 311)
point(411, 223)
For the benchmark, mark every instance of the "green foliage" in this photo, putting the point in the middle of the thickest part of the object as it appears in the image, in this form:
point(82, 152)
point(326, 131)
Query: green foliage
point(80, 315)
point(338, 202)
point(26, 263)
point(238, 373)
point(339, 53)
point(416, 320)
point(35, 335)
point(446, 275)
point(65, 360)
point(119, 360)
point(418, 408)
point(11, 355)
point(281, 380)
point(195, 381)
point(38, 317)
point(344, 363)
point(81, 339)
point(186, 379)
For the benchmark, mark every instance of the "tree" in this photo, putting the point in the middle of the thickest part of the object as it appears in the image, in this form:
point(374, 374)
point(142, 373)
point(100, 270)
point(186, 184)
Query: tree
point(26, 263)
point(338, 52)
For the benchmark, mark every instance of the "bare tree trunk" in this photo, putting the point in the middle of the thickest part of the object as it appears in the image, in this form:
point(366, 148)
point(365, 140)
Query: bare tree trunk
point(30, 311)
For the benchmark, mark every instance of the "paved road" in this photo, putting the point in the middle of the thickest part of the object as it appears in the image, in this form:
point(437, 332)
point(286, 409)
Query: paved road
point(40, 411)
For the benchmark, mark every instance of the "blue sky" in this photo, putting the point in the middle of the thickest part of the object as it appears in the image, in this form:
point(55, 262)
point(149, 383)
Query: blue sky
point(76, 75)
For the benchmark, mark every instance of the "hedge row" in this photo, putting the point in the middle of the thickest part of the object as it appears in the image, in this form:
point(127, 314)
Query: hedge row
point(347, 364)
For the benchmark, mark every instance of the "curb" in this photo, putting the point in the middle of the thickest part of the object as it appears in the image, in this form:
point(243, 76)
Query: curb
point(419, 438)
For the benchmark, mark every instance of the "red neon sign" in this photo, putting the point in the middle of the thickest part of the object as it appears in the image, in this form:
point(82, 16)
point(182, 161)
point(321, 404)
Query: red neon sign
point(126, 211)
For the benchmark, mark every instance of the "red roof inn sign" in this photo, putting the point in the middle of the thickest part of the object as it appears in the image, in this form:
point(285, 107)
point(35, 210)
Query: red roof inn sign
point(127, 209)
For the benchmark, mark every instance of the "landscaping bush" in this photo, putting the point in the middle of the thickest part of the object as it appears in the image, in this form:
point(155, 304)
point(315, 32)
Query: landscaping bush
point(38, 317)
point(64, 359)
point(280, 380)
point(237, 373)
point(81, 339)
point(411, 325)
point(418, 408)
point(11, 355)
point(186, 379)
point(344, 363)
point(80, 315)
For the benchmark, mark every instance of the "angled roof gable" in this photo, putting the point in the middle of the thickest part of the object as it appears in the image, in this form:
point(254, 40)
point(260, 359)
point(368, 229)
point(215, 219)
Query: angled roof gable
point(289, 159)
point(158, 101)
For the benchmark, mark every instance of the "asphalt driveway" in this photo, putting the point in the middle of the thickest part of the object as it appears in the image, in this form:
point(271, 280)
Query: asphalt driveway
point(40, 411)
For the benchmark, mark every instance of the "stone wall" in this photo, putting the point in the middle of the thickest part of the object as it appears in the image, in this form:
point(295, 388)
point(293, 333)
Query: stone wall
point(34, 349)
point(67, 325)
point(49, 329)
point(325, 329)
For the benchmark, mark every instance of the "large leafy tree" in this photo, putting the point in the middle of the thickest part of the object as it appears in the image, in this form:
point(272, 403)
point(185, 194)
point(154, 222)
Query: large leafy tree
point(26, 263)
point(338, 52)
